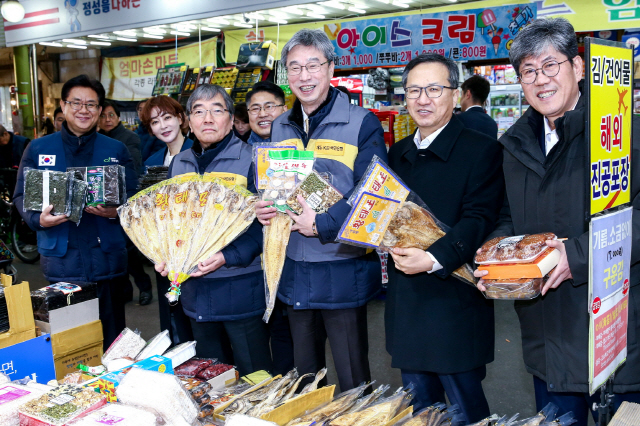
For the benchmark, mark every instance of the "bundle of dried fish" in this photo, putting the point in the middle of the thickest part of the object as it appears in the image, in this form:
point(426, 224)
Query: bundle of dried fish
point(435, 415)
point(378, 414)
point(263, 399)
point(185, 220)
point(367, 400)
point(547, 414)
point(314, 385)
point(413, 226)
point(275, 242)
point(486, 422)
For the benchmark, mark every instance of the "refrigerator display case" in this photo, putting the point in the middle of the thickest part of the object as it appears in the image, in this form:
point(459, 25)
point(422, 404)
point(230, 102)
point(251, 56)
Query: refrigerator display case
point(506, 105)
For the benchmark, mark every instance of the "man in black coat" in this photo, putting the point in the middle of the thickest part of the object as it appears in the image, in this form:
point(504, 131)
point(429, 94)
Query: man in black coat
point(440, 330)
point(546, 176)
point(475, 91)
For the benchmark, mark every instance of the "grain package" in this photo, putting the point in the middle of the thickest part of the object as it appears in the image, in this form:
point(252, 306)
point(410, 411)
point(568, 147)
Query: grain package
point(318, 193)
point(43, 188)
point(120, 415)
point(106, 184)
point(184, 220)
point(12, 397)
point(60, 295)
point(60, 405)
point(128, 344)
point(386, 214)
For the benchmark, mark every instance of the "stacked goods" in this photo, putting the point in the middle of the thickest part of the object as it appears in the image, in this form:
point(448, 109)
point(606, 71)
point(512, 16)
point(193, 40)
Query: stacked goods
point(120, 415)
point(156, 346)
point(106, 184)
point(60, 295)
point(517, 266)
point(60, 405)
point(154, 174)
point(181, 353)
point(185, 220)
point(62, 190)
point(387, 214)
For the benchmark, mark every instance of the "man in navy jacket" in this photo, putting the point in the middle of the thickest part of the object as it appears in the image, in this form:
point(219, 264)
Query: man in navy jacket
point(94, 250)
point(475, 91)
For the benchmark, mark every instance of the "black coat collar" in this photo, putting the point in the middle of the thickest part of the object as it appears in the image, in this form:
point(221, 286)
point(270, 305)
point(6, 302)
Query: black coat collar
point(441, 146)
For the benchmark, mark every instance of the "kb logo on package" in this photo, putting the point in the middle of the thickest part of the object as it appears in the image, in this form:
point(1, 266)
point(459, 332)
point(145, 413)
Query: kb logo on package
point(111, 160)
point(46, 160)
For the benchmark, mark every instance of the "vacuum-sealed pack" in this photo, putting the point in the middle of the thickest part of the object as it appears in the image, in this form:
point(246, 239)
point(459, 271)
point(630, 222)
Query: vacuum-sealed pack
point(318, 193)
point(106, 184)
point(43, 188)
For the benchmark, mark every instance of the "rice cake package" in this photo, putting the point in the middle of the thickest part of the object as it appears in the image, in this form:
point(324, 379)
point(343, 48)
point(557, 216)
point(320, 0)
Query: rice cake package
point(59, 295)
point(43, 188)
point(106, 184)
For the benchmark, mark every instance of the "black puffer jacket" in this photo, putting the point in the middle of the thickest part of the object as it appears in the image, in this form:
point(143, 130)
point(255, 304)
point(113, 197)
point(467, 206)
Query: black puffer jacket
point(131, 140)
point(548, 194)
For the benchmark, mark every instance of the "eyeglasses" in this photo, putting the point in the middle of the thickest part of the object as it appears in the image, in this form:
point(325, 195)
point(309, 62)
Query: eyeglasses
point(550, 69)
point(312, 68)
point(432, 91)
point(110, 115)
point(77, 106)
point(268, 108)
point(201, 113)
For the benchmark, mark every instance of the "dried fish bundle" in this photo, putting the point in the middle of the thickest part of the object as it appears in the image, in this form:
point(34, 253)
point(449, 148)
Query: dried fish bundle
point(435, 415)
point(184, 220)
point(275, 242)
point(378, 414)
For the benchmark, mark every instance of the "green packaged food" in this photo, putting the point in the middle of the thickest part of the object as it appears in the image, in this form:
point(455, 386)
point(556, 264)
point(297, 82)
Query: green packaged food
point(43, 188)
point(106, 184)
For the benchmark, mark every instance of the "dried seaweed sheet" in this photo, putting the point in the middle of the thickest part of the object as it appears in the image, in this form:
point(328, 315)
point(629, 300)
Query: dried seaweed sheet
point(45, 187)
point(107, 185)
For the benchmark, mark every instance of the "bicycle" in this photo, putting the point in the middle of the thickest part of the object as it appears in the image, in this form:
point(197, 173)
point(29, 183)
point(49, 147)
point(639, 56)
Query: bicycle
point(13, 229)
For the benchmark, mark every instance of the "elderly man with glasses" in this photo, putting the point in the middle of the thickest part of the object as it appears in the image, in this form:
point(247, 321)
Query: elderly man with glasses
point(546, 176)
point(440, 330)
point(224, 299)
point(325, 284)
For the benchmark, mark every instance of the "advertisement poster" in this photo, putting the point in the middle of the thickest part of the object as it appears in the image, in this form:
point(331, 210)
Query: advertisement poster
point(610, 265)
point(609, 71)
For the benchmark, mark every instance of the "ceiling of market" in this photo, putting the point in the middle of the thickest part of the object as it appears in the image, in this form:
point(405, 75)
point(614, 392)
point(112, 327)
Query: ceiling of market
point(205, 28)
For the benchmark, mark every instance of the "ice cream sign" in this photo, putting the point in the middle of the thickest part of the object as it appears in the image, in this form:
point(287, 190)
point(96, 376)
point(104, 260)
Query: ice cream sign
point(463, 35)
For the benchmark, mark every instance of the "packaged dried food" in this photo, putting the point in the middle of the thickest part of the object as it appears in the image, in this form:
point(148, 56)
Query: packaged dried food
point(60, 405)
point(106, 184)
point(518, 249)
point(192, 367)
point(154, 174)
point(160, 392)
point(377, 414)
point(287, 169)
point(261, 160)
point(78, 199)
point(43, 188)
point(340, 404)
point(319, 194)
point(213, 371)
point(514, 289)
point(157, 345)
point(380, 180)
point(60, 295)
point(275, 241)
point(200, 392)
point(564, 420)
point(12, 396)
point(184, 220)
point(182, 353)
point(547, 414)
point(120, 415)
point(127, 344)
point(242, 420)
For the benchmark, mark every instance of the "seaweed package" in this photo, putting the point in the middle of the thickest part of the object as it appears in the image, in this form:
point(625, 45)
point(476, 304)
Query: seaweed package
point(319, 194)
point(78, 199)
point(60, 295)
point(106, 184)
point(43, 188)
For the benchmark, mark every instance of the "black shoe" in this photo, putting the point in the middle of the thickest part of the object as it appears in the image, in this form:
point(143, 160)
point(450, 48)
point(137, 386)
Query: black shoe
point(145, 298)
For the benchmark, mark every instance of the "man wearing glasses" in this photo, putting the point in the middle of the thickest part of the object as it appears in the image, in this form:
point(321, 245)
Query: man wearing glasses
point(224, 298)
point(326, 285)
point(93, 250)
point(546, 178)
point(265, 103)
point(440, 330)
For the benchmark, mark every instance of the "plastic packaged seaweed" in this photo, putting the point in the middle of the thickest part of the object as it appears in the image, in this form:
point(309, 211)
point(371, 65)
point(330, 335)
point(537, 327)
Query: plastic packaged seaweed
point(78, 199)
point(60, 295)
point(319, 194)
point(43, 188)
point(106, 184)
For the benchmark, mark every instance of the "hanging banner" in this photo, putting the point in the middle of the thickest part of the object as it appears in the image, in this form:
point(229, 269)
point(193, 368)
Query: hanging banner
point(609, 273)
point(609, 73)
point(132, 78)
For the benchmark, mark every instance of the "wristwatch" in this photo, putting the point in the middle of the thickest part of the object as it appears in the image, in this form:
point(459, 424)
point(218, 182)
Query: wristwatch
point(314, 229)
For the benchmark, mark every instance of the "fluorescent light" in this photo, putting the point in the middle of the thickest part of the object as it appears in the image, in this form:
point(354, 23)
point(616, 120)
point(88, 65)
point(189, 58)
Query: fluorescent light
point(398, 4)
point(277, 20)
point(185, 27)
point(103, 37)
point(293, 11)
point(220, 21)
point(242, 25)
point(384, 1)
point(453, 1)
point(256, 16)
point(74, 41)
point(315, 15)
point(357, 10)
point(127, 33)
point(126, 39)
point(76, 46)
point(157, 36)
point(152, 30)
point(179, 33)
point(46, 43)
point(101, 43)
point(215, 30)
point(334, 4)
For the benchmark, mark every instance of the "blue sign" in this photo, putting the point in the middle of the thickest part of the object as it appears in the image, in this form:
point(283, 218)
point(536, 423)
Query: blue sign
point(33, 358)
point(462, 35)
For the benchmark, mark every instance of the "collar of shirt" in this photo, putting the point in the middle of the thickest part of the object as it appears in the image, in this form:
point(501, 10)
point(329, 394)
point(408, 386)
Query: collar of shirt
point(475, 106)
point(424, 143)
point(550, 135)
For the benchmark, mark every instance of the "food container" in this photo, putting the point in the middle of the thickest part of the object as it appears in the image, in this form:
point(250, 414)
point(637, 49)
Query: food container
point(515, 289)
point(156, 346)
point(59, 406)
point(518, 249)
point(319, 194)
point(182, 353)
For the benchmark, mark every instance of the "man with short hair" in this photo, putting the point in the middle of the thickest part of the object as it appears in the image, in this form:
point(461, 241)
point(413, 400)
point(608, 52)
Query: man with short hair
point(94, 250)
point(110, 125)
point(547, 179)
point(12, 147)
point(475, 91)
point(58, 119)
point(325, 284)
point(224, 298)
point(265, 103)
point(440, 330)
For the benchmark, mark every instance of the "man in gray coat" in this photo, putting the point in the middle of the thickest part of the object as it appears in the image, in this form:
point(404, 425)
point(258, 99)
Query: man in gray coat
point(547, 182)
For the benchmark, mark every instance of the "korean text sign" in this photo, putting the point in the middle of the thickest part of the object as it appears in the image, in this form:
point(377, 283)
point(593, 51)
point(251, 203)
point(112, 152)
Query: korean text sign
point(610, 77)
point(610, 264)
point(462, 35)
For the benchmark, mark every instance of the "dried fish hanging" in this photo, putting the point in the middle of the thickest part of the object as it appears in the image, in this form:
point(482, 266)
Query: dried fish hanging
point(184, 220)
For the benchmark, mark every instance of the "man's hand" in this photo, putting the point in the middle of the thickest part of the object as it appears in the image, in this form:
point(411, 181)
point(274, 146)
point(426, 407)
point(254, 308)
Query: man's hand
point(303, 223)
point(264, 212)
point(161, 268)
point(479, 274)
point(210, 265)
point(108, 212)
point(562, 271)
point(411, 260)
point(47, 220)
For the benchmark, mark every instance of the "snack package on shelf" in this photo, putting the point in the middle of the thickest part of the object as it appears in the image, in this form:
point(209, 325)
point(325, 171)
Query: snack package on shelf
point(106, 184)
point(60, 295)
point(287, 169)
point(162, 393)
point(181, 353)
point(154, 174)
point(386, 214)
point(60, 405)
point(120, 415)
point(43, 188)
point(127, 344)
point(157, 345)
point(185, 220)
point(12, 397)
point(317, 192)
